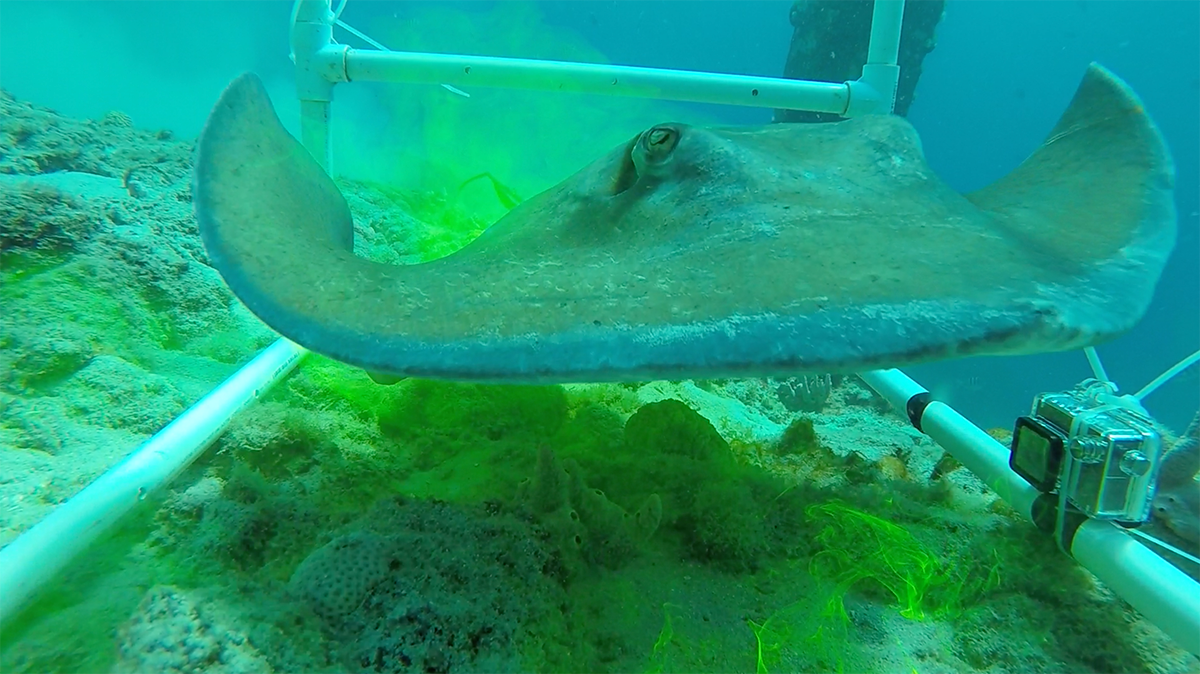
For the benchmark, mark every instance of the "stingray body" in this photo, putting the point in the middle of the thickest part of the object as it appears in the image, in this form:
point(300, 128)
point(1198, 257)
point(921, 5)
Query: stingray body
point(712, 252)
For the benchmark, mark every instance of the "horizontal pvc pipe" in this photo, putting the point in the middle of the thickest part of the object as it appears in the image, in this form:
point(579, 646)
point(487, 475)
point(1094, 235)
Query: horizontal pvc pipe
point(1166, 596)
point(39, 553)
point(966, 442)
point(979, 453)
point(896, 387)
point(678, 85)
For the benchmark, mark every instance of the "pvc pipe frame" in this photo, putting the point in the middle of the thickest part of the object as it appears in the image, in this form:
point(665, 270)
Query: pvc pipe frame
point(1168, 597)
point(1165, 595)
point(465, 72)
point(873, 93)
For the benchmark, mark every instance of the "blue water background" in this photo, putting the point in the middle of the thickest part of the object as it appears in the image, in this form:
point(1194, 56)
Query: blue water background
point(997, 82)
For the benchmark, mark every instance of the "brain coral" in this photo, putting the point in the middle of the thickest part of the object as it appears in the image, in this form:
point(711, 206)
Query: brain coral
point(336, 578)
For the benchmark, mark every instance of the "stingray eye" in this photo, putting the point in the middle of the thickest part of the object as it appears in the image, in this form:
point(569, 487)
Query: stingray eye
point(658, 142)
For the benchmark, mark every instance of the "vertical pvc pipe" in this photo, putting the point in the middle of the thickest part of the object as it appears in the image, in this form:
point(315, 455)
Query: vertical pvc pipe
point(886, 21)
point(314, 132)
point(966, 442)
point(313, 32)
point(875, 91)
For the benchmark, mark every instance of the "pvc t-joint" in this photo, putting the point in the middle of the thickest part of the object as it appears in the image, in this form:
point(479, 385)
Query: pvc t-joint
point(311, 34)
point(875, 92)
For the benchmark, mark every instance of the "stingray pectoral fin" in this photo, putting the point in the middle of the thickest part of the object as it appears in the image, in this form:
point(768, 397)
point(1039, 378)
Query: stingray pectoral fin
point(271, 220)
point(1096, 203)
point(280, 233)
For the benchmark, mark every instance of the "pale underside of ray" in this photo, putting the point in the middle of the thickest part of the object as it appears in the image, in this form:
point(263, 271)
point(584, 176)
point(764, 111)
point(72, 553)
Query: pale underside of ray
point(695, 252)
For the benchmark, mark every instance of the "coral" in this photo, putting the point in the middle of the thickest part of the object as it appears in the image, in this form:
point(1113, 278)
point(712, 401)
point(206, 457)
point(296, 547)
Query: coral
point(757, 395)
point(425, 435)
point(39, 220)
point(806, 393)
point(727, 527)
point(672, 427)
point(171, 634)
point(421, 586)
point(1177, 500)
point(337, 577)
point(583, 519)
point(725, 407)
point(34, 140)
point(238, 523)
point(717, 508)
point(128, 282)
point(278, 439)
point(799, 438)
point(27, 428)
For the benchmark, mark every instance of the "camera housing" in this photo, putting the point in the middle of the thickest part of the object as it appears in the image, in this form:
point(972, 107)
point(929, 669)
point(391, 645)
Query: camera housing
point(1099, 449)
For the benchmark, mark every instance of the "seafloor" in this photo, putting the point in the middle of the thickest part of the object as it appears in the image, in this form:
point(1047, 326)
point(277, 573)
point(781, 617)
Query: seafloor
point(339, 525)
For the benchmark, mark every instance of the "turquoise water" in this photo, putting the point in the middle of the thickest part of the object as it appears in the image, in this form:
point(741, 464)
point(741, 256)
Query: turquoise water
point(733, 525)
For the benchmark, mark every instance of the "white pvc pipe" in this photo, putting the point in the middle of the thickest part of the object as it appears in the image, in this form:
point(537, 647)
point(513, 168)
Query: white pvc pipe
point(1166, 596)
point(1094, 362)
point(39, 553)
point(311, 33)
point(314, 132)
point(886, 19)
point(876, 92)
point(966, 442)
point(896, 387)
point(678, 85)
point(979, 453)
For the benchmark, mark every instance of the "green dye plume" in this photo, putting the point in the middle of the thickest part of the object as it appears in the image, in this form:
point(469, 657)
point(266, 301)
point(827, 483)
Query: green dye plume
point(522, 141)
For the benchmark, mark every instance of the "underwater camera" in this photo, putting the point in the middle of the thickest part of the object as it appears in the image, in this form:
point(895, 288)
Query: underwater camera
point(1100, 449)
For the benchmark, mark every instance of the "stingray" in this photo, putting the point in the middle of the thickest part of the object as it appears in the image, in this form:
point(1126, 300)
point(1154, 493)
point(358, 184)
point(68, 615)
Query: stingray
point(693, 252)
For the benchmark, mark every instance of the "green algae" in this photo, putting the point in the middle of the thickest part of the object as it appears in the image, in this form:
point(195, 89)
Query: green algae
point(862, 549)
